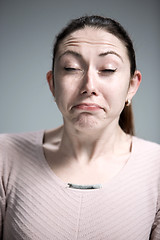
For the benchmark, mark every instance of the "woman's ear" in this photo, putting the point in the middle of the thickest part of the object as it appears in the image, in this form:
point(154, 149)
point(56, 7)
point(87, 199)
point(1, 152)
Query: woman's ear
point(49, 77)
point(134, 84)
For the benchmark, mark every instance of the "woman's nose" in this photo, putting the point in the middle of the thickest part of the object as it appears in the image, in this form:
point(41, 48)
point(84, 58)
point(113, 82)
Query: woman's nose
point(89, 84)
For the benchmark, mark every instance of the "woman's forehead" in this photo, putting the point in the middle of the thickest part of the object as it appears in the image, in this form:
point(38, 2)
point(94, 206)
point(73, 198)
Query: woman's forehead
point(92, 35)
point(89, 37)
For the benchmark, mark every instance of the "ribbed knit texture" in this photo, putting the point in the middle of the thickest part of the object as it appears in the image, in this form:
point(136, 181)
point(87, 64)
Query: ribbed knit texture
point(36, 205)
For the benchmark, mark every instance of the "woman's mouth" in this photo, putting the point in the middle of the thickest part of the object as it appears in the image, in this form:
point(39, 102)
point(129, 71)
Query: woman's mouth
point(87, 107)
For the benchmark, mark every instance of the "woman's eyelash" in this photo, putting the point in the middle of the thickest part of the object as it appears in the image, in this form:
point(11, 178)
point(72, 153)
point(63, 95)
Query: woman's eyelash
point(69, 69)
point(108, 70)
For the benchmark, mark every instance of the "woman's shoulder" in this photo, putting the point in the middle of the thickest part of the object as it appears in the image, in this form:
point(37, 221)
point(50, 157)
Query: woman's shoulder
point(16, 140)
point(14, 145)
point(145, 142)
point(146, 148)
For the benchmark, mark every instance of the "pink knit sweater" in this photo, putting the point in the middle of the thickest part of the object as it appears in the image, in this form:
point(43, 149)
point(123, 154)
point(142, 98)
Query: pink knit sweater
point(35, 204)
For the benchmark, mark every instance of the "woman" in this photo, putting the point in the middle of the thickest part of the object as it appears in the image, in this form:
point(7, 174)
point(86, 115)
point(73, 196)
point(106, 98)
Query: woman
point(90, 178)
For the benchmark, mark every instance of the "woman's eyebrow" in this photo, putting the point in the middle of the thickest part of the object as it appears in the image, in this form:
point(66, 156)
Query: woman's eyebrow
point(76, 54)
point(70, 52)
point(110, 52)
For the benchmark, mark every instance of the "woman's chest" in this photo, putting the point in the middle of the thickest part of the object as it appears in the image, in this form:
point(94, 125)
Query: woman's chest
point(122, 211)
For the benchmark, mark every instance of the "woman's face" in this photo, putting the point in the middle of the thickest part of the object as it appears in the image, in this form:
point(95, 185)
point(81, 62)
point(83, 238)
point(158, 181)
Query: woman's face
point(92, 78)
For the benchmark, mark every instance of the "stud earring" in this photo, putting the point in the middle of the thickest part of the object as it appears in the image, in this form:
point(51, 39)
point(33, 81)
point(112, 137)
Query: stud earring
point(128, 102)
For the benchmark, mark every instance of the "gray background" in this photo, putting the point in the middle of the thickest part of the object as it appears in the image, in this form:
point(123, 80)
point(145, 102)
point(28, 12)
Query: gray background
point(27, 30)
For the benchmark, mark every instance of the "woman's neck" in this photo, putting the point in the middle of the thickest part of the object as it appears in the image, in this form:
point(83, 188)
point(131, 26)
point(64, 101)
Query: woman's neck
point(86, 146)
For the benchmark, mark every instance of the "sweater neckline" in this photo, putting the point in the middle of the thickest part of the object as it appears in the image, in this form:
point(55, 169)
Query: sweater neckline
point(61, 183)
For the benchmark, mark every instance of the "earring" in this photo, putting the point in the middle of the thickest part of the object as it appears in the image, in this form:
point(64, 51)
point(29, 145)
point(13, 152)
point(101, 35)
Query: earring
point(54, 99)
point(128, 102)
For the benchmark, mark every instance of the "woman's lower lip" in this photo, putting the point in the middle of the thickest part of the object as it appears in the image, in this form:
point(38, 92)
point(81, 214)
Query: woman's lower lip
point(87, 107)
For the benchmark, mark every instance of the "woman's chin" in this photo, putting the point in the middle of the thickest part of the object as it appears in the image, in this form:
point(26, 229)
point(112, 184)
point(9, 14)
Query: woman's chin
point(87, 122)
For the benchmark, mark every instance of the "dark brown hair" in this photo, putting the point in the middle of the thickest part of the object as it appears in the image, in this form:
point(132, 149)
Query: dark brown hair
point(126, 117)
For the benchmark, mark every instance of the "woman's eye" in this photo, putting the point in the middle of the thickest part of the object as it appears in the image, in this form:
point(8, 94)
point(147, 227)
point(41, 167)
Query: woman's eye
point(108, 70)
point(69, 69)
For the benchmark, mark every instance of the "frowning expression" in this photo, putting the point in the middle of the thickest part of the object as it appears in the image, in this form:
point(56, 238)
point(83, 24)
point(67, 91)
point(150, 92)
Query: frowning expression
point(91, 78)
